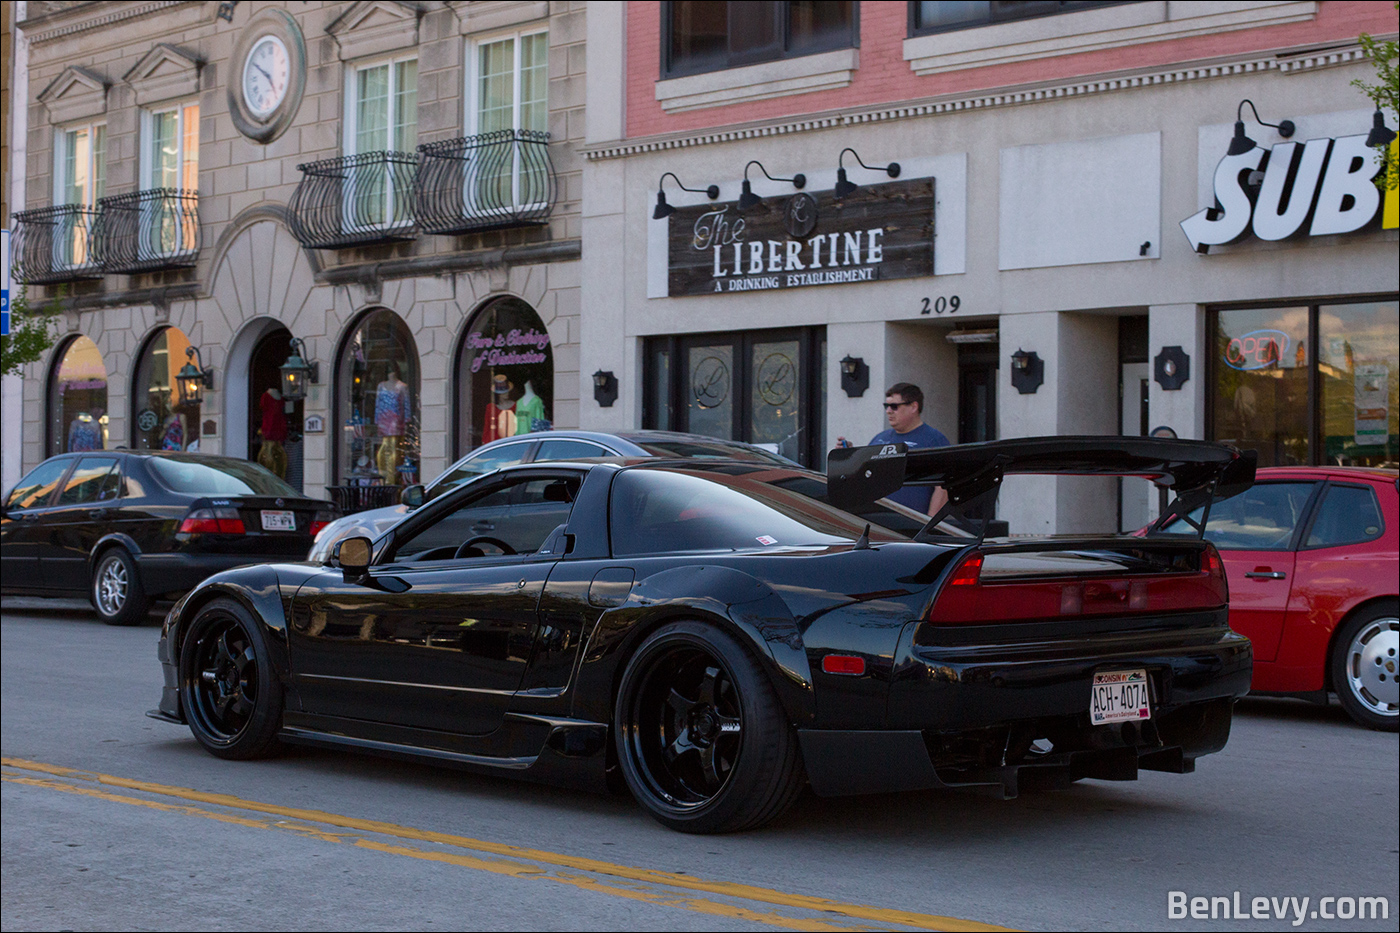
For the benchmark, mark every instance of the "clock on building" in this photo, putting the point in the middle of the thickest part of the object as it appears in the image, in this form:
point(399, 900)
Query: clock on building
point(268, 76)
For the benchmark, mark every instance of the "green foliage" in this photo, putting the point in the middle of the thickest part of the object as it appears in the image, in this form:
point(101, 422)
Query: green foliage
point(31, 333)
point(1385, 94)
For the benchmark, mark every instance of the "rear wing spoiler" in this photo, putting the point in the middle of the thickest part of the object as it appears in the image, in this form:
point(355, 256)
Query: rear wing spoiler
point(1198, 472)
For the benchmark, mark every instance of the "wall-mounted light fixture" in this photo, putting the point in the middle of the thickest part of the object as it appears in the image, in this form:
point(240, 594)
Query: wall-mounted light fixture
point(855, 376)
point(1171, 368)
point(664, 210)
point(844, 186)
point(1380, 135)
point(1027, 371)
point(1241, 143)
point(604, 388)
point(298, 373)
point(194, 379)
point(748, 199)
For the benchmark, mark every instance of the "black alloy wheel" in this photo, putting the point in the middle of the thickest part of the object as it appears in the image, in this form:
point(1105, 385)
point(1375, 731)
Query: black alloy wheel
point(703, 742)
point(231, 695)
point(116, 591)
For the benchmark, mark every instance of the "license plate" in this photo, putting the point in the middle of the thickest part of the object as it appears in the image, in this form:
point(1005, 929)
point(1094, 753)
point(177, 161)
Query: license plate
point(279, 521)
point(1119, 696)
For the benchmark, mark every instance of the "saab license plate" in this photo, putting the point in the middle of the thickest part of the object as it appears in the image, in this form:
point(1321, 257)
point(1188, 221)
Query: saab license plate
point(1119, 696)
point(278, 521)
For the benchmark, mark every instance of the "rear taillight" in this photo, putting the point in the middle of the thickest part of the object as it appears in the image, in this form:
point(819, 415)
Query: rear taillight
point(969, 599)
point(321, 520)
point(212, 522)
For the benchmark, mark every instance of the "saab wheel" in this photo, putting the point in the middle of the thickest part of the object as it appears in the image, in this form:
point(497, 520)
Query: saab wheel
point(230, 693)
point(117, 594)
point(702, 740)
point(1366, 667)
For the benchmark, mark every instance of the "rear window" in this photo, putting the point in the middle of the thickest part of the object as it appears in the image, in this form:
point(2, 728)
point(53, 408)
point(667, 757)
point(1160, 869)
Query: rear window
point(704, 451)
point(1347, 515)
point(1260, 519)
point(203, 476)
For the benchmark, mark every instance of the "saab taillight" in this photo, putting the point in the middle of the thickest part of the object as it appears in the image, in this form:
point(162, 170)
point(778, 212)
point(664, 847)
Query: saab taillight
point(212, 522)
point(321, 520)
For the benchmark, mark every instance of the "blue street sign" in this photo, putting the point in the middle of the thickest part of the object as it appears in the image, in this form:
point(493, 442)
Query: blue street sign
point(4, 283)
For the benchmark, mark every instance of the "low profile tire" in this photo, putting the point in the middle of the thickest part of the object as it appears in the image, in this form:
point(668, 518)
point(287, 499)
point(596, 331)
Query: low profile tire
point(702, 740)
point(117, 594)
point(1366, 667)
point(229, 691)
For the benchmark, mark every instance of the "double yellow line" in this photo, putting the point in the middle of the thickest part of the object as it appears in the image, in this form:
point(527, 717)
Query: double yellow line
point(739, 901)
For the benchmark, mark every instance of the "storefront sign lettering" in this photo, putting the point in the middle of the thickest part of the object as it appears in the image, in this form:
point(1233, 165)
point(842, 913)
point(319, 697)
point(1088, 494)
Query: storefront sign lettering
point(1320, 187)
point(505, 349)
point(879, 232)
point(1258, 349)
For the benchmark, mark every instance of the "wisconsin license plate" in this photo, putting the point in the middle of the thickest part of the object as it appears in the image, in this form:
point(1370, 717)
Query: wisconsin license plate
point(278, 521)
point(1119, 696)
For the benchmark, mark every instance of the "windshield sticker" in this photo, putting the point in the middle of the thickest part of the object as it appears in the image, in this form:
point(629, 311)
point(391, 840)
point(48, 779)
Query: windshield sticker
point(765, 539)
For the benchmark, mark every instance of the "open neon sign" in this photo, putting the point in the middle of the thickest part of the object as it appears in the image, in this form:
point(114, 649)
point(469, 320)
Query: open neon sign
point(1257, 349)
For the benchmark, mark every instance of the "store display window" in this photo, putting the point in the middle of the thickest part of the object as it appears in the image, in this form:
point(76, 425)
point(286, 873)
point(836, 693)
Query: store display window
point(505, 375)
point(377, 396)
point(162, 419)
point(78, 399)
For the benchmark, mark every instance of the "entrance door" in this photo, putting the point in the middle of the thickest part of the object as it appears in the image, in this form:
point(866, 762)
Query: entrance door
point(265, 376)
point(1136, 495)
point(977, 405)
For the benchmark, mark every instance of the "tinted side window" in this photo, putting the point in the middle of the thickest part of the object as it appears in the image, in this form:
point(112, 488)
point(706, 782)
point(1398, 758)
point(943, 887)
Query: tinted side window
point(1261, 519)
point(88, 481)
point(1347, 515)
point(493, 459)
point(34, 490)
point(569, 450)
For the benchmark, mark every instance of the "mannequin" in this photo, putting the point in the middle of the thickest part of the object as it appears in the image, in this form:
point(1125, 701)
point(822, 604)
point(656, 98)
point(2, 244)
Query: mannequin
point(529, 408)
point(272, 454)
point(391, 414)
point(500, 418)
point(172, 432)
point(84, 433)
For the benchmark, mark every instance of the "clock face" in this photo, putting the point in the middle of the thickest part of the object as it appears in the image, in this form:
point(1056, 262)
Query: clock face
point(266, 75)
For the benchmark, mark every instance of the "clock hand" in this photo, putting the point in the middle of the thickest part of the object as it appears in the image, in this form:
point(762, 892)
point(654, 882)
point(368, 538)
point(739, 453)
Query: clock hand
point(264, 71)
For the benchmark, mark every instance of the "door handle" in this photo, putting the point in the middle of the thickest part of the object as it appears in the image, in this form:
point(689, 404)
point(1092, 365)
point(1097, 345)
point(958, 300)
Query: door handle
point(28, 517)
point(1266, 574)
point(98, 513)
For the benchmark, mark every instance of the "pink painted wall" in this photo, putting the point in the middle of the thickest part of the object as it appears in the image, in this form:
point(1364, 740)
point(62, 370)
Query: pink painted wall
point(884, 76)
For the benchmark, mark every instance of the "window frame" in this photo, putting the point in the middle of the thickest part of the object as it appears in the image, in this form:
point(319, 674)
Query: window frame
point(471, 97)
point(147, 148)
point(782, 9)
point(350, 121)
point(60, 162)
point(1078, 6)
point(1321, 500)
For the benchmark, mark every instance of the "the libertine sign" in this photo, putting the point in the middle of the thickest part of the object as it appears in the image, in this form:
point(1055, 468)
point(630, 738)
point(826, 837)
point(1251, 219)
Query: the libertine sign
point(878, 232)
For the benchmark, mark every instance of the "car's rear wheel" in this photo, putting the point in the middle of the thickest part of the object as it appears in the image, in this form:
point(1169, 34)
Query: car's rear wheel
point(702, 740)
point(117, 594)
point(230, 692)
point(1366, 667)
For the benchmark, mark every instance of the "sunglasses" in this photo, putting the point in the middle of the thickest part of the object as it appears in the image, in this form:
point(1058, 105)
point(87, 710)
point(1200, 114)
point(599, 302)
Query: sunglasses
point(891, 406)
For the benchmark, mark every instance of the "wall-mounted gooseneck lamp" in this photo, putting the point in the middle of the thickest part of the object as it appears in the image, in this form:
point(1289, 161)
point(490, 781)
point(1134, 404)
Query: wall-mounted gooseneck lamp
point(664, 210)
point(298, 373)
point(748, 199)
point(844, 186)
point(1241, 143)
point(193, 378)
point(604, 388)
point(1380, 135)
point(855, 376)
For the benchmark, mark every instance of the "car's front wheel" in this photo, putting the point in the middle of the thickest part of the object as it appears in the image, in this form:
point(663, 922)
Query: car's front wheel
point(230, 692)
point(117, 594)
point(1366, 667)
point(702, 740)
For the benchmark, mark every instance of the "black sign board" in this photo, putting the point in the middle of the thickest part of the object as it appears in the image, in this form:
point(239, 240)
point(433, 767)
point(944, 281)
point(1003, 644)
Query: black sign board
point(878, 232)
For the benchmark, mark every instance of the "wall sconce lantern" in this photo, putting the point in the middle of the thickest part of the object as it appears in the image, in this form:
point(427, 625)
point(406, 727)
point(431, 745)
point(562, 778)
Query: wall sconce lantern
point(748, 199)
point(1241, 143)
point(604, 388)
point(194, 379)
point(297, 373)
point(664, 210)
point(1027, 371)
point(1171, 368)
point(855, 376)
point(845, 186)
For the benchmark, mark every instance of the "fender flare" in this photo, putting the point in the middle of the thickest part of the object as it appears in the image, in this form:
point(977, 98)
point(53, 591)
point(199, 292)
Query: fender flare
point(257, 589)
point(112, 539)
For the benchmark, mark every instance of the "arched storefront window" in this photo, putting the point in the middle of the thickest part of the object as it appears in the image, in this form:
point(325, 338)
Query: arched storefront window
point(377, 383)
point(505, 375)
point(162, 419)
point(78, 399)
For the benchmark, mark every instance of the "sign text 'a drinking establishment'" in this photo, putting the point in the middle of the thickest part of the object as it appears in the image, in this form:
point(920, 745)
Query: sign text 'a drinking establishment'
point(878, 232)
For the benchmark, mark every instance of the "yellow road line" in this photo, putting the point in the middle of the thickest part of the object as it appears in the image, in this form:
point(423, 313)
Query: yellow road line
point(744, 892)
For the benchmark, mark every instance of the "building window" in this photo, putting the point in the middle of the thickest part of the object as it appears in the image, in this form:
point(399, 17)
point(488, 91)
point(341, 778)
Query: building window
point(167, 224)
point(507, 92)
point(377, 398)
point(161, 418)
point(505, 375)
point(1308, 383)
point(80, 178)
point(78, 399)
point(381, 117)
point(710, 35)
point(926, 16)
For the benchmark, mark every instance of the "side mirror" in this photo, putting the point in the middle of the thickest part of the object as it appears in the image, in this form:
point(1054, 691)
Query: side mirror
point(353, 555)
point(413, 496)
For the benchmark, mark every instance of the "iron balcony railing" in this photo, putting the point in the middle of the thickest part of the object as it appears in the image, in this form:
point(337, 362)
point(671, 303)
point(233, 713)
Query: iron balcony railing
point(56, 244)
point(365, 198)
point(500, 179)
point(145, 231)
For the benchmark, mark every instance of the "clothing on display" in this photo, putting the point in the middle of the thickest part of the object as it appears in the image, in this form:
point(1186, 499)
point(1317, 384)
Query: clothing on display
point(273, 457)
point(391, 409)
point(274, 416)
point(529, 408)
point(84, 433)
point(387, 458)
point(172, 433)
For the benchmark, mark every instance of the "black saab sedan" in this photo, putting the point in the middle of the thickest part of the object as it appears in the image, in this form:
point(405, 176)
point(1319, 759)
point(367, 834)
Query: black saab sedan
point(717, 634)
point(124, 527)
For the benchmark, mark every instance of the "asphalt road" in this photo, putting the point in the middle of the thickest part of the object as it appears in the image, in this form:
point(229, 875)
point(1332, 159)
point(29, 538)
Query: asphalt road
point(113, 820)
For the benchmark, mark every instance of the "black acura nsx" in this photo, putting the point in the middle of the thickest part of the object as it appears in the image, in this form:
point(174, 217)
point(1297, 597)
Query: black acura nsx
point(716, 635)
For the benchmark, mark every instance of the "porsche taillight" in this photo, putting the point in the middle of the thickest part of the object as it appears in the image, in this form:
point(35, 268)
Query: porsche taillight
point(212, 522)
point(969, 598)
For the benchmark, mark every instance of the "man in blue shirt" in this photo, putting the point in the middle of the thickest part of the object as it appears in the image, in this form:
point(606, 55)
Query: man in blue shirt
point(904, 409)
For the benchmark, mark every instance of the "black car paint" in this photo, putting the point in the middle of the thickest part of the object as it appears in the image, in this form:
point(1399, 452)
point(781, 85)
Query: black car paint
point(790, 607)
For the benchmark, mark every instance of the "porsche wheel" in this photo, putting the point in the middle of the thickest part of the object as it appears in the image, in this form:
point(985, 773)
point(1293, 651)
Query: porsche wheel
point(1366, 667)
point(702, 740)
point(117, 594)
point(230, 693)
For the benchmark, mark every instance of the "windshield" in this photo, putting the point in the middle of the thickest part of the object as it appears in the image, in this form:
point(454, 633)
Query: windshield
point(206, 476)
